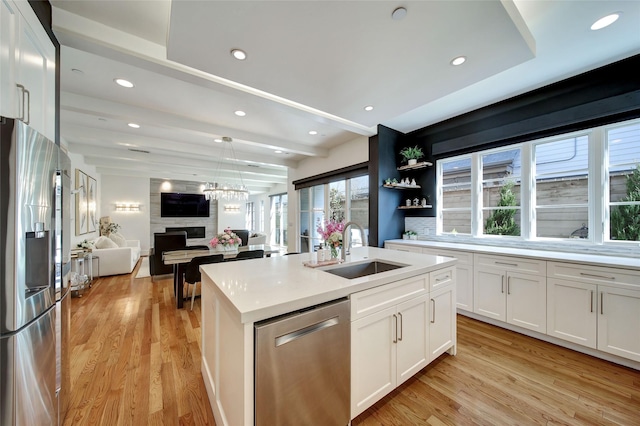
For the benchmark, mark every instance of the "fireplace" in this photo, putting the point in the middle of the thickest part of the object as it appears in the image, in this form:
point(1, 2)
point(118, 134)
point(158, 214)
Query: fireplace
point(192, 231)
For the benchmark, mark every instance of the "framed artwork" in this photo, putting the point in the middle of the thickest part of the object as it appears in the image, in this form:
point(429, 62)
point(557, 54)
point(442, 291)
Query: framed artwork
point(91, 204)
point(81, 203)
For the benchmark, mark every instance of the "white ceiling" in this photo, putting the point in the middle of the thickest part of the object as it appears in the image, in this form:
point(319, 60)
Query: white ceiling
point(312, 65)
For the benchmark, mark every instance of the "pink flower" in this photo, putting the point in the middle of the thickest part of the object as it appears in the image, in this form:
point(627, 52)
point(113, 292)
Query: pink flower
point(214, 242)
point(330, 226)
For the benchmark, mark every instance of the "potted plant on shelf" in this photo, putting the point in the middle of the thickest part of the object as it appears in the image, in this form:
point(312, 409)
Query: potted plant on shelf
point(410, 235)
point(412, 154)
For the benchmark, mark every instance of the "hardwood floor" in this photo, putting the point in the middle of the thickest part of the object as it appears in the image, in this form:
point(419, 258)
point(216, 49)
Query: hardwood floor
point(135, 360)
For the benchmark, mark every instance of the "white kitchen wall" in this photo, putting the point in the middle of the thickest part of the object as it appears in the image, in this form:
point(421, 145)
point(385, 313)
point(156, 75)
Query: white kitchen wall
point(125, 189)
point(347, 154)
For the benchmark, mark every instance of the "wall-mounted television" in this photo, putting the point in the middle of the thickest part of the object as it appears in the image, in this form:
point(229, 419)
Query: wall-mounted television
point(174, 204)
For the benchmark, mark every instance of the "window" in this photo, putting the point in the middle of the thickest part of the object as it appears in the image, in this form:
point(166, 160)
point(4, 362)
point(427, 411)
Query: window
point(455, 195)
point(501, 192)
point(562, 188)
point(346, 199)
point(261, 221)
point(624, 182)
point(580, 186)
point(278, 220)
point(249, 217)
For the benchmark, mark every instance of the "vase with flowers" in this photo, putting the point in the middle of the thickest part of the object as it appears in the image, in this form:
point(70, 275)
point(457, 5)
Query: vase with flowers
point(226, 241)
point(332, 235)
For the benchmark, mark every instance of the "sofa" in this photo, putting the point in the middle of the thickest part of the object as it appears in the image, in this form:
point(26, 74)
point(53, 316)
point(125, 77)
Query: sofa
point(116, 260)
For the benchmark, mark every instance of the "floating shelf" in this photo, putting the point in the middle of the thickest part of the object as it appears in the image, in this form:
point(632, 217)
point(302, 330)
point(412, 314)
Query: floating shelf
point(401, 186)
point(428, 206)
point(421, 165)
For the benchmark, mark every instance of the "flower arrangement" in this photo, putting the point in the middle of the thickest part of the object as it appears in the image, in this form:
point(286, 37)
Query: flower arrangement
point(86, 245)
point(227, 240)
point(111, 228)
point(332, 235)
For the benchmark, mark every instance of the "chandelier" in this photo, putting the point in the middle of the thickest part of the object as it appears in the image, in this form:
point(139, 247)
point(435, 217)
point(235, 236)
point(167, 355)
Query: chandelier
point(225, 191)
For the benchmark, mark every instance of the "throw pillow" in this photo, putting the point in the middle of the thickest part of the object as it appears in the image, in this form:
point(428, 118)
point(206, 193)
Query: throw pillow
point(105, 243)
point(118, 239)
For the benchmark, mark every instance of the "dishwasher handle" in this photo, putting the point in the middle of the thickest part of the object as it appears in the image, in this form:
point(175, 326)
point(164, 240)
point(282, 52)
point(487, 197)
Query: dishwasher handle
point(294, 335)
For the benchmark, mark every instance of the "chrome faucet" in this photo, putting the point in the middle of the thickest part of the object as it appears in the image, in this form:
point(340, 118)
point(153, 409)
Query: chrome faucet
point(345, 249)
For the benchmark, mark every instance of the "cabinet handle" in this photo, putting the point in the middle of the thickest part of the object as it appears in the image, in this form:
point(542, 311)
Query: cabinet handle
point(21, 87)
point(508, 285)
point(591, 300)
point(502, 286)
point(515, 265)
point(400, 315)
point(446, 277)
point(28, 105)
point(584, 274)
point(395, 319)
point(433, 311)
point(602, 303)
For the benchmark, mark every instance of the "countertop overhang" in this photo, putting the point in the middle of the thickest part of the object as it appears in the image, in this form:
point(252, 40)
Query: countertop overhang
point(258, 289)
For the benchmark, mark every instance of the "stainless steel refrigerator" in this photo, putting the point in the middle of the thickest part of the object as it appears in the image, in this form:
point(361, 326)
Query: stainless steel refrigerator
point(34, 265)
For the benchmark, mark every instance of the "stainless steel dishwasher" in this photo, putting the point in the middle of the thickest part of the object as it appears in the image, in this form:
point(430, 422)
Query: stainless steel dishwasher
point(302, 367)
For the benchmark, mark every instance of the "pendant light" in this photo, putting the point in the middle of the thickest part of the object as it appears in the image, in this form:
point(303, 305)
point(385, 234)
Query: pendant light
point(224, 191)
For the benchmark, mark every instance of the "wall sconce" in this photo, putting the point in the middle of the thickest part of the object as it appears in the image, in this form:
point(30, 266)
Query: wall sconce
point(231, 208)
point(127, 207)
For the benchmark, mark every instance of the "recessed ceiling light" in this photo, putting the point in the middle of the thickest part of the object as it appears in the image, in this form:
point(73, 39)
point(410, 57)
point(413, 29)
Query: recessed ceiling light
point(605, 22)
point(459, 60)
point(277, 151)
point(313, 132)
point(218, 140)
point(240, 113)
point(134, 125)
point(368, 108)
point(399, 13)
point(124, 83)
point(240, 55)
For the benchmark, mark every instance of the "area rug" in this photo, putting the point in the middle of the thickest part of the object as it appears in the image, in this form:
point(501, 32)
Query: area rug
point(143, 270)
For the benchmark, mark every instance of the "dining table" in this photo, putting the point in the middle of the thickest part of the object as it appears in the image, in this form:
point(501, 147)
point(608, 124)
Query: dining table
point(179, 259)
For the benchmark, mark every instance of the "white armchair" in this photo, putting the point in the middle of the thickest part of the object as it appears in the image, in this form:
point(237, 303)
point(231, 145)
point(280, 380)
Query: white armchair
point(255, 239)
point(120, 260)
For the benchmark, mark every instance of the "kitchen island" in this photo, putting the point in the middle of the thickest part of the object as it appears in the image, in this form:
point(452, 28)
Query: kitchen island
point(403, 317)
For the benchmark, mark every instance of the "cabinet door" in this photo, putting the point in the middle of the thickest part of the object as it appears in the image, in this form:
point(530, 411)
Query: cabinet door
point(413, 337)
point(9, 19)
point(489, 295)
point(35, 70)
point(526, 301)
point(464, 287)
point(619, 322)
point(373, 359)
point(572, 311)
point(402, 247)
point(442, 321)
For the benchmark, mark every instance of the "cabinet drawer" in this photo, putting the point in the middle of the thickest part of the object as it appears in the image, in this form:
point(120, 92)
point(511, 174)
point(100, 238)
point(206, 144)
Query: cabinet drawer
point(508, 263)
point(464, 257)
point(375, 299)
point(442, 278)
point(595, 274)
point(403, 247)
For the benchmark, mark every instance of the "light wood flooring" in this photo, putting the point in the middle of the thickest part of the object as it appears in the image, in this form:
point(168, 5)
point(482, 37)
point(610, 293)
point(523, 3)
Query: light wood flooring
point(135, 360)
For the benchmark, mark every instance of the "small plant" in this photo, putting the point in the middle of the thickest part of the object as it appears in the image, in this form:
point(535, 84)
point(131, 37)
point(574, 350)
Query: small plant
point(625, 220)
point(112, 228)
point(412, 153)
point(410, 235)
point(502, 221)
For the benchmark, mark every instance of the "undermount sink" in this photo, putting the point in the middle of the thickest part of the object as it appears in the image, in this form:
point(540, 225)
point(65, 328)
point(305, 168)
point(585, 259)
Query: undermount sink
point(357, 270)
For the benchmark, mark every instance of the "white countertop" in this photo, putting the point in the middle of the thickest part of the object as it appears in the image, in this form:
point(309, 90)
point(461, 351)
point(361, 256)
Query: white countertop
point(594, 259)
point(263, 288)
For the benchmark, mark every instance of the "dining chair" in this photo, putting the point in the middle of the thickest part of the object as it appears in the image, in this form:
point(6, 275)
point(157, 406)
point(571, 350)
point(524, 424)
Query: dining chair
point(192, 273)
point(249, 254)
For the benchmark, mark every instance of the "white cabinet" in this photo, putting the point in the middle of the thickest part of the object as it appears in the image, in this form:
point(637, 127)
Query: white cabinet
point(27, 64)
point(512, 290)
point(595, 307)
point(396, 330)
point(402, 247)
point(464, 275)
